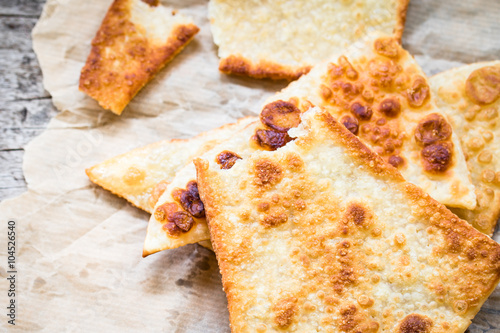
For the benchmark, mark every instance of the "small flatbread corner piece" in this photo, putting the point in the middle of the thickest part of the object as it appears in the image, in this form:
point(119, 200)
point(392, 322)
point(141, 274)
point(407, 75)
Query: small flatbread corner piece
point(136, 39)
point(323, 235)
point(284, 39)
point(179, 215)
point(470, 96)
point(142, 175)
point(378, 91)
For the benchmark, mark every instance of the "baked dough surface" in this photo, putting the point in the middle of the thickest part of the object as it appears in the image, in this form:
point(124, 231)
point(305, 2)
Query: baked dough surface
point(474, 115)
point(136, 39)
point(284, 39)
point(323, 235)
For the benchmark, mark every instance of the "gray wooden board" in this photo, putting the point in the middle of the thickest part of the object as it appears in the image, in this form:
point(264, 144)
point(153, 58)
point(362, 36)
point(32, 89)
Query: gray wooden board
point(25, 107)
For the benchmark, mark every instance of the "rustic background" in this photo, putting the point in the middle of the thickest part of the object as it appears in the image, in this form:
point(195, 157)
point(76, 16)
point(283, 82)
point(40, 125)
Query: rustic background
point(25, 107)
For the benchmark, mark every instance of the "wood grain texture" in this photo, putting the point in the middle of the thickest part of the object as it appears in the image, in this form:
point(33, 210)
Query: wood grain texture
point(25, 107)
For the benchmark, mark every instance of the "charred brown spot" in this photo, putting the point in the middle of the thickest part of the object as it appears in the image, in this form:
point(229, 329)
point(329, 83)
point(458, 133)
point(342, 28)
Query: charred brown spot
point(361, 112)
point(483, 85)
point(177, 221)
point(284, 311)
point(182, 220)
point(437, 157)
point(280, 115)
point(161, 212)
point(190, 199)
point(415, 323)
point(396, 161)
point(343, 279)
point(349, 90)
point(356, 214)
point(172, 229)
point(387, 47)
point(355, 218)
point(271, 139)
point(351, 124)
point(419, 93)
point(267, 173)
point(390, 107)
point(274, 220)
point(432, 129)
point(453, 242)
point(226, 159)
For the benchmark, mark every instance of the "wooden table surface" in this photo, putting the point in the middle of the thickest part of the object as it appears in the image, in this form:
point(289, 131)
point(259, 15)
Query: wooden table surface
point(25, 107)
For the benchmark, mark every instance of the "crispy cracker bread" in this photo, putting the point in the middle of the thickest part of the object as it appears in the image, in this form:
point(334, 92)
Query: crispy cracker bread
point(470, 96)
point(284, 39)
point(138, 174)
point(135, 40)
point(323, 235)
point(452, 185)
point(179, 217)
point(378, 90)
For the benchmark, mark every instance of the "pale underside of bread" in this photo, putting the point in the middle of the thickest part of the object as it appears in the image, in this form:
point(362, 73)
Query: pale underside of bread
point(158, 237)
point(478, 128)
point(136, 39)
point(324, 87)
point(452, 187)
point(284, 39)
point(323, 235)
point(136, 174)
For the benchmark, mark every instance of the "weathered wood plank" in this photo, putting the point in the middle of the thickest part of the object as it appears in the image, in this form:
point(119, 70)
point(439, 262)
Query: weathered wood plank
point(25, 107)
point(12, 181)
point(19, 68)
point(22, 8)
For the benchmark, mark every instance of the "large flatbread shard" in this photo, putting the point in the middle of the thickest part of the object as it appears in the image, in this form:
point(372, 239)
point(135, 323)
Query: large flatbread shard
point(136, 39)
point(393, 100)
point(179, 215)
point(284, 39)
point(470, 96)
point(141, 175)
point(323, 236)
point(379, 92)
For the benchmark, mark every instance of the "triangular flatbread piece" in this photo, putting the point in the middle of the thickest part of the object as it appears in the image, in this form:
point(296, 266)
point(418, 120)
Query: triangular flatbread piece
point(470, 96)
point(284, 39)
point(379, 91)
point(135, 40)
point(323, 235)
point(404, 91)
point(179, 217)
point(141, 175)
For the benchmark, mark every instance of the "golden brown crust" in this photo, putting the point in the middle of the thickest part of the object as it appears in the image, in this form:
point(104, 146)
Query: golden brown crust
point(351, 258)
point(400, 26)
point(238, 65)
point(287, 55)
point(122, 59)
point(468, 95)
point(378, 91)
point(122, 174)
point(359, 151)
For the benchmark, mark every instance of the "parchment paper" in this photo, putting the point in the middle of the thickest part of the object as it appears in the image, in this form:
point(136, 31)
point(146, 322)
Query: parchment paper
point(79, 247)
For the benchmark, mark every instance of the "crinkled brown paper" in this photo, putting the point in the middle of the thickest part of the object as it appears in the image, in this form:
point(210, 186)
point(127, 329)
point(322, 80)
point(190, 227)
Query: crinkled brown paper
point(79, 247)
